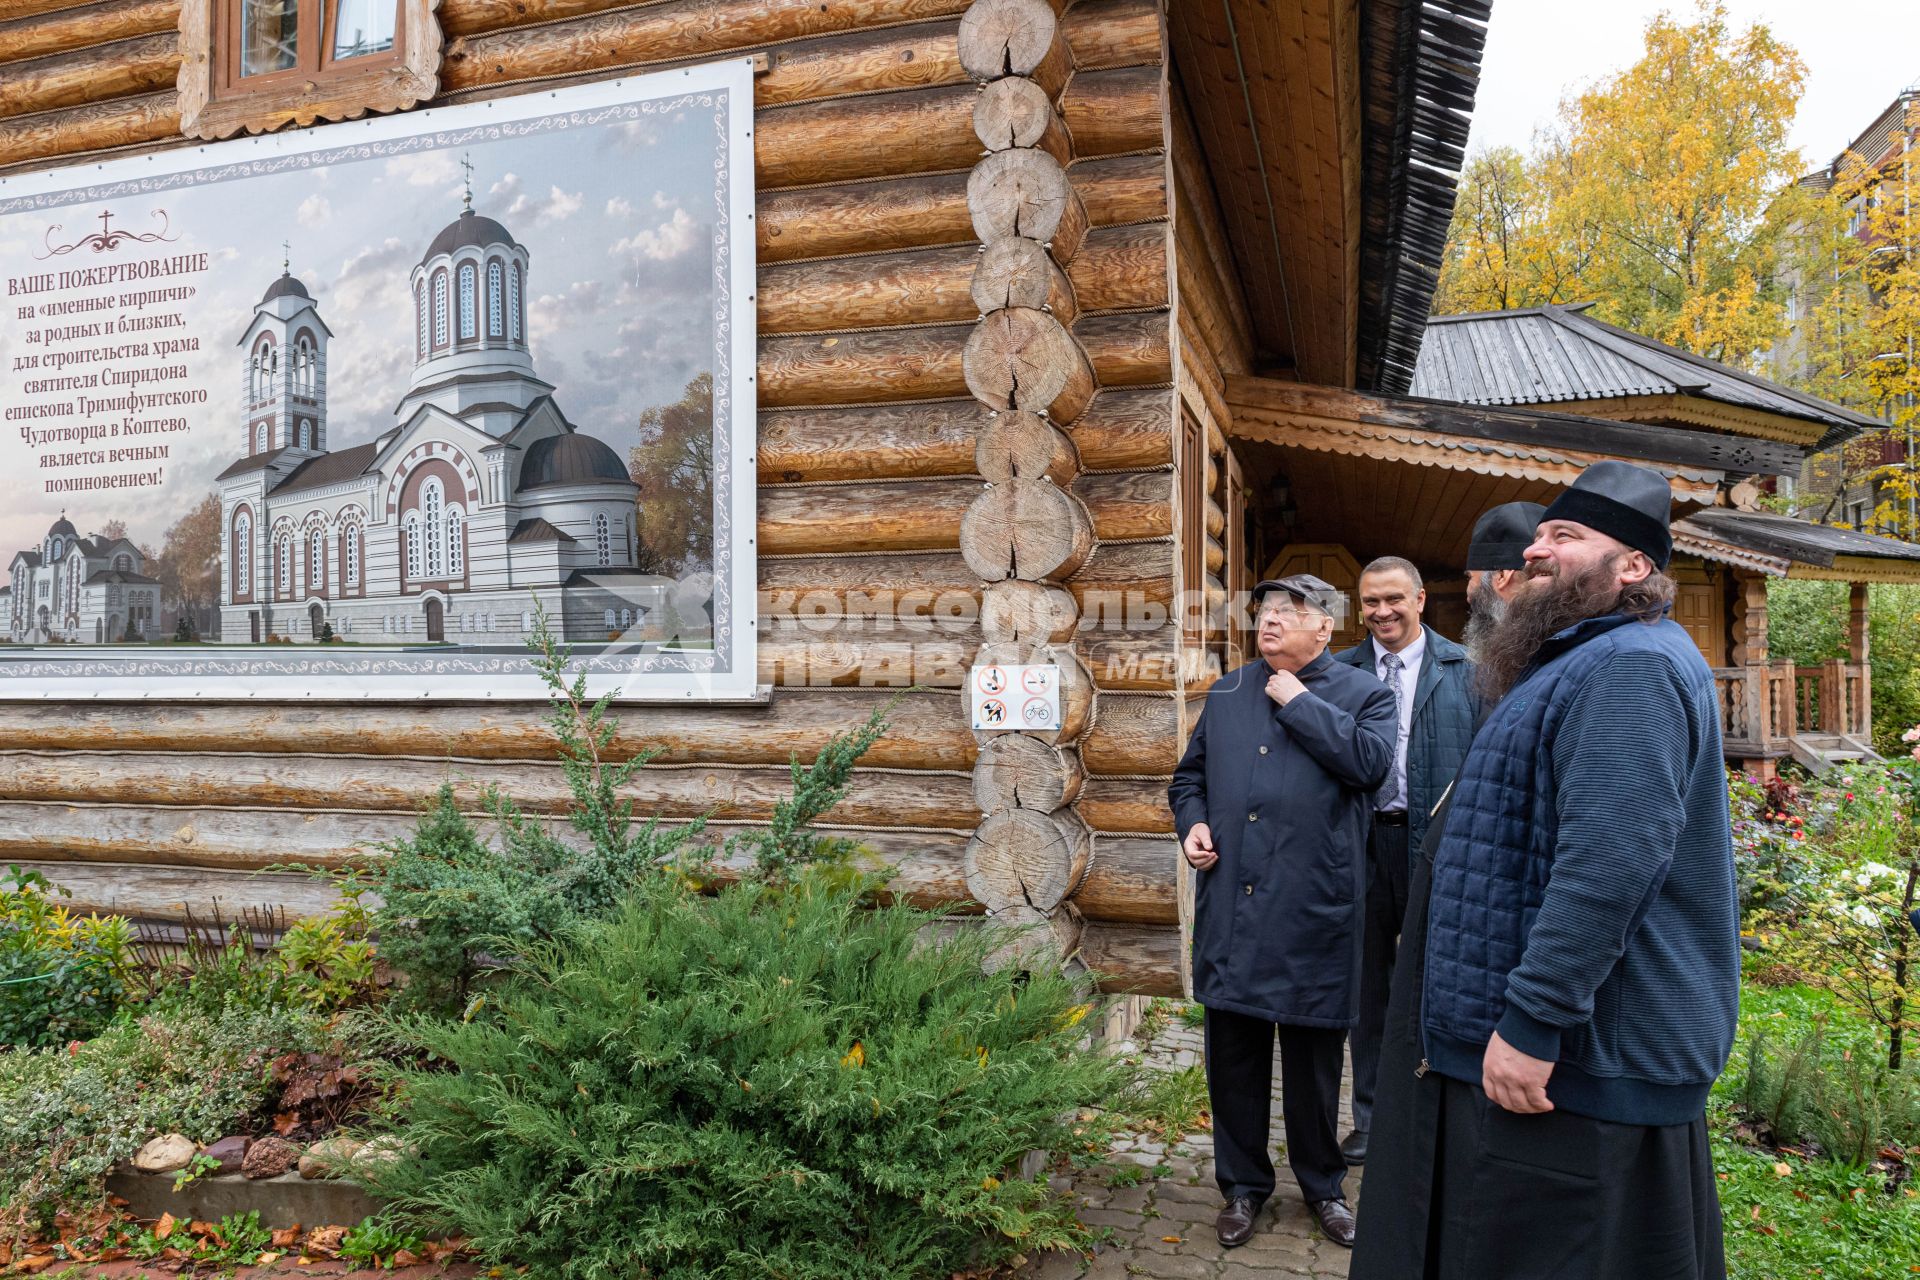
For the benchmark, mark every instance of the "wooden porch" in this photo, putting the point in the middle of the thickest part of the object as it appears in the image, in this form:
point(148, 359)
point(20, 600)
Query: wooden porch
point(1819, 715)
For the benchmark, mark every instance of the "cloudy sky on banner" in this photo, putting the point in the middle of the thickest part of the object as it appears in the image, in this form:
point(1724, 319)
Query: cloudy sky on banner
point(618, 220)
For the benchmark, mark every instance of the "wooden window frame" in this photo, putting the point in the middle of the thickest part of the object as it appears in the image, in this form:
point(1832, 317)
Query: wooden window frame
point(217, 102)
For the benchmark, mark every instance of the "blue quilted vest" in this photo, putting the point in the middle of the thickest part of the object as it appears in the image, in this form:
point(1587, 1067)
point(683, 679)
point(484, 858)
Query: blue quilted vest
point(1632, 983)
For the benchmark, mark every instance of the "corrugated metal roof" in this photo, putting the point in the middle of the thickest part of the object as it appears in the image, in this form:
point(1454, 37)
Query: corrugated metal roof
point(1808, 543)
point(1546, 355)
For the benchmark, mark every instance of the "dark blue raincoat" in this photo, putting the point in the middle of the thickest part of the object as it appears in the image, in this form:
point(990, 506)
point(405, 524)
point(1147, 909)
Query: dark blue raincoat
point(1288, 794)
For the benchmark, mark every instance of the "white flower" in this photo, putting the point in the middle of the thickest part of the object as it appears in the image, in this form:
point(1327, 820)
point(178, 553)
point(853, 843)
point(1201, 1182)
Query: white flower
point(1911, 735)
point(1881, 869)
point(1864, 915)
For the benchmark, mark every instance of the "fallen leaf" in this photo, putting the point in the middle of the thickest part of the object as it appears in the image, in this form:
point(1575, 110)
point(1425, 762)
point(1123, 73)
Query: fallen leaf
point(325, 1241)
point(1169, 1239)
point(200, 1228)
point(1781, 1169)
point(37, 1263)
point(1755, 1215)
point(163, 1228)
point(286, 1122)
point(855, 1057)
point(286, 1237)
point(266, 1260)
point(404, 1258)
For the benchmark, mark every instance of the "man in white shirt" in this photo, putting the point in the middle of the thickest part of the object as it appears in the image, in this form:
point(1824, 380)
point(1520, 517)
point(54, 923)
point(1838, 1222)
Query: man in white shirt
point(1432, 684)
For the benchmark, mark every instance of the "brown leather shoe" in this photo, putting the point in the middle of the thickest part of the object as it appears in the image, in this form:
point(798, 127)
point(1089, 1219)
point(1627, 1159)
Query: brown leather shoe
point(1234, 1226)
point(1336, 1220)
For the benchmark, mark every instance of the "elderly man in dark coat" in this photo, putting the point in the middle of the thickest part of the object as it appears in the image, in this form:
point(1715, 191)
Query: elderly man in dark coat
point(1272, 802)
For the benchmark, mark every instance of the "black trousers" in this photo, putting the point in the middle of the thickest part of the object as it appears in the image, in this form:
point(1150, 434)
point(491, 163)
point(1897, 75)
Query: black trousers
point(1380, 945)
point(1558, 1196)
point(1240, 1089)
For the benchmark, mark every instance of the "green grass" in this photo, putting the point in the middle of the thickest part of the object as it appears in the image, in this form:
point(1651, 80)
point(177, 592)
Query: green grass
point(1821, 1218)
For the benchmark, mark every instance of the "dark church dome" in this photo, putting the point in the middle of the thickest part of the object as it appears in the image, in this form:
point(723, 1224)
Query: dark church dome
point(64, 527)
point(469, 230)
point(286, 287)
point(570, 459)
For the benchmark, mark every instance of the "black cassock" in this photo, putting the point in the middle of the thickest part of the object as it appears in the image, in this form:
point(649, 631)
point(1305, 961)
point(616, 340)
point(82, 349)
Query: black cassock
point(1459, 1190)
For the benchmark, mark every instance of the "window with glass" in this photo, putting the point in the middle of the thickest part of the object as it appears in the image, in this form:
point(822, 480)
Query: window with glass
point(467, 278)
point(242, 556)
point(317, 560)
point(350, 555)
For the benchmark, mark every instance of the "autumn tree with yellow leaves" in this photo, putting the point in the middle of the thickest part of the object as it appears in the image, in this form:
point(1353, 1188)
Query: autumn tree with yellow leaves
point(1855, 273)
point(1657, 196)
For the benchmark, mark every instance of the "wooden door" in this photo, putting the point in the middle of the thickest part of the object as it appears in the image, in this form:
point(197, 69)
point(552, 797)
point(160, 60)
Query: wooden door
point(436, 622)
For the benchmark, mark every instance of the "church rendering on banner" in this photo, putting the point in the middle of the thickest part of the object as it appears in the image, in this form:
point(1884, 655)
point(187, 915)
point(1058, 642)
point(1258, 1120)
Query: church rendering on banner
point(79, 589)
point(481, 500)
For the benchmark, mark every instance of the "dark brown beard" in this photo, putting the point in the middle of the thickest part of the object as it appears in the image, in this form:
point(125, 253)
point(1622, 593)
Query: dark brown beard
point(1540, 612)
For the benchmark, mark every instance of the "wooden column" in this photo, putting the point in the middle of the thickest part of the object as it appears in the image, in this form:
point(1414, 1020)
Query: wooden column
point(1858, 653)
point(1749, 652)
point(1026, 532)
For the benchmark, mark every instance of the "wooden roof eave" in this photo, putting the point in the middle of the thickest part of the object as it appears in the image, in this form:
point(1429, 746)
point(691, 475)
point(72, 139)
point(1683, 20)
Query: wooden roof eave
point(1264, 399)
point(1700, 412)
point(1753, 550)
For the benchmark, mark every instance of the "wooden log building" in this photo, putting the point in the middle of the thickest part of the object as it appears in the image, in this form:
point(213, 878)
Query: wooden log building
point(1090, 311)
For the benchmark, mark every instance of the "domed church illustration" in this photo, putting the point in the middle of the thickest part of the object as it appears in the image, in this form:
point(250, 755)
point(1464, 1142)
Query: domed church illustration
point(76, 589)
point(479, 499)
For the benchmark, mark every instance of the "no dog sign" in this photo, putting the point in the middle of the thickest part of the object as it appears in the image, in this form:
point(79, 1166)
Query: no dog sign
point(1015, 696)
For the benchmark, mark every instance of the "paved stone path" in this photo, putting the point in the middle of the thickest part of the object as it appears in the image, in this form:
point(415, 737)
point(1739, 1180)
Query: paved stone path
point(1162, 1228)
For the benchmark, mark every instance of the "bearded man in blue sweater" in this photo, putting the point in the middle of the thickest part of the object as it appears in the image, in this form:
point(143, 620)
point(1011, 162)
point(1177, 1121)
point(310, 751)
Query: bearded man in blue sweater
point(1582, 961)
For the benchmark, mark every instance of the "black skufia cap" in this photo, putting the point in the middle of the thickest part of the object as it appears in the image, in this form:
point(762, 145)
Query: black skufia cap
point(1622, 501)
point(1502, 536)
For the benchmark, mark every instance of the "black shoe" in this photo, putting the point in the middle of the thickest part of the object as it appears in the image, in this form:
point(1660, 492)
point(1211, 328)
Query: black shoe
point(1336, 1220)
point(1354, 1147)
point(1234, 1226)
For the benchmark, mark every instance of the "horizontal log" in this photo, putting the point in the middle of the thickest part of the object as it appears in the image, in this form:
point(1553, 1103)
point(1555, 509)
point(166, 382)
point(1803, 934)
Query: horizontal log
point(1133, 958)
point(927, 515)
point(373, 784)
point(1128, 350)
point(870, 441)
point(928, 729)
point(1129, 504)
point(863, 368)
point(1131, 880)
point(12, 10)
point(903, 213)
point(917, 516)
point(866, 653)
point(126, 67)
point(862, 217)
point(1122, 189)
point(596, 38)
point(1109, 112)
point(1113, 33)
point(38, 35)
point(919, 286)
point(927, 870)
point(1125, 428)
point(1116, 268)
point(1134, 733)
point(1130, 585)
point(1126, 804)
point(1122, 268)
point(876, 136)
point(1134, 660)
point(926, 865)
point(171, 895)
point(918, 583)
point(32, 140)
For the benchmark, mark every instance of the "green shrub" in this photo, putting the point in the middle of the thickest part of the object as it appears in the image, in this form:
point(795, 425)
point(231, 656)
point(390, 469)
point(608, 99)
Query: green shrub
point(68, 1115)
point(62, 977)
point(773, 1081)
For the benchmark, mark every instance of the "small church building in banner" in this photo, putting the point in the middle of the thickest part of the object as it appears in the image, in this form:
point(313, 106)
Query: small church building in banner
point(481, 502)
point(73, 588)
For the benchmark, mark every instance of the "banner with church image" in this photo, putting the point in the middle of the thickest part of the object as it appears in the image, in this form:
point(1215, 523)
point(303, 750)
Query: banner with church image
point(344, 412)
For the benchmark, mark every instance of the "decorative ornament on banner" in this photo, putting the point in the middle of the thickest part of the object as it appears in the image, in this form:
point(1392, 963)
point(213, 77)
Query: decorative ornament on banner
point(352, 411)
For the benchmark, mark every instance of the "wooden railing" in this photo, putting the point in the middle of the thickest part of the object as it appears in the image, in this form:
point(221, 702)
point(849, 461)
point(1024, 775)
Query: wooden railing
point(1762, 706)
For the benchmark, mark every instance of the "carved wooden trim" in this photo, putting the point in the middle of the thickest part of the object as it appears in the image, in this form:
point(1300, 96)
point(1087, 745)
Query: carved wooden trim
point(210, 111)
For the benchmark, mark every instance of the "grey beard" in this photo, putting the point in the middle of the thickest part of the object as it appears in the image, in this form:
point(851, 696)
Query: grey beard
point(1487, 610)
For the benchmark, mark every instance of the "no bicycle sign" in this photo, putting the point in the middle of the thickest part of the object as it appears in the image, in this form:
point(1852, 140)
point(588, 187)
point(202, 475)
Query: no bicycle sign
point(1015, 696)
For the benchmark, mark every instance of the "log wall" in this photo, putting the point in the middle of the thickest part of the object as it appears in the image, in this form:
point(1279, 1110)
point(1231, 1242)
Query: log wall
point(948, 191)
